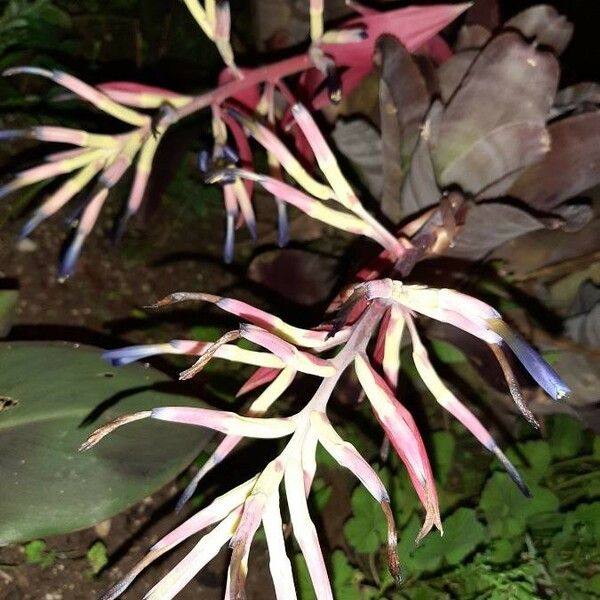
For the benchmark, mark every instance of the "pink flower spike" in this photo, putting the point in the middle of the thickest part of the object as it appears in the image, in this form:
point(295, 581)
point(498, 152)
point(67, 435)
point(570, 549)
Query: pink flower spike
point(65, 154)
point(455, 407)
point(60, 197)
point(302, 361)
point(309, 459)
point(245, 204)
point(311, 206)
point(268, 481)
point(273, 144)
point(222, 36)
point(413, 26)
point(377, 354)
point(246, 312)
point(402, 432)
point(219, 509)
point(279, 563)
point(49, 170)
point(62, 135)
point(85, 225)
point(225, 421)
point(206, 549)
point(325, 157)
point(139, 95)
point(129, 354)
point(449, 306)
point(391, 349)
point(304, 529)
point(87, 92)
point(142, 172)
point(205, 22)
point(349, 457)
point(260, 377)
point(229, 443)
point(316, 20)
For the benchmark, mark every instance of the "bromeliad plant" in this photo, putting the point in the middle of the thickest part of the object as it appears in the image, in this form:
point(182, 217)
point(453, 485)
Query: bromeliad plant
point(371, 320)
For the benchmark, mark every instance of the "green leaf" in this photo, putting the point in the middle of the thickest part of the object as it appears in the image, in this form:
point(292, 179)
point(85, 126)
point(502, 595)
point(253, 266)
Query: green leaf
point(304, 586)
point(503, 550)
point(345, 579)
point(537, 459)
point(404, 498)
point(366, 529)
point(320, 494)
point(565, 437)
point(463, 533)
point(97, 557)
point(507, 510)
point(596, 447)
point(443, 443)
point(60, 393)
point(206, 333)
point(36, 553)
point(447, 353)
point(8, 310)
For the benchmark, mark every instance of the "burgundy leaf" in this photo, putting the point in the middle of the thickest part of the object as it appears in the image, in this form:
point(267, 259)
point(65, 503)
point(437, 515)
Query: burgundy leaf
point(403, 100)
point(360, 142)
point(571, 167)
point(420, 188)
point(504, 151)
point(472, 37)
point(545, 25)
point(510, 81)
point(477, 238)
point(453, 71)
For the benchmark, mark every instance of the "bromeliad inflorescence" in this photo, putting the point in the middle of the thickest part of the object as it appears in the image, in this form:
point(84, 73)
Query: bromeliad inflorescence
point(243, 100)
point(378, 311)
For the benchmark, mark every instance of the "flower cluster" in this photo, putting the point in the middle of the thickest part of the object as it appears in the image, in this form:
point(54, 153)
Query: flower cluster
point(378, 311)
point(255, 102)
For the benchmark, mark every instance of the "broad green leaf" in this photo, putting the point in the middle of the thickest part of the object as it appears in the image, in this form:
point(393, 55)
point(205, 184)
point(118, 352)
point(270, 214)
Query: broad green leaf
point(59, 394)
point(507, 510)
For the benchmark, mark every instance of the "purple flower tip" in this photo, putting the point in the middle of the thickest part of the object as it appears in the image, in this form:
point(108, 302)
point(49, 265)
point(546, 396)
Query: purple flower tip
point(69, 259)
